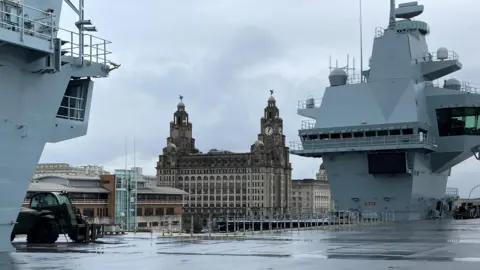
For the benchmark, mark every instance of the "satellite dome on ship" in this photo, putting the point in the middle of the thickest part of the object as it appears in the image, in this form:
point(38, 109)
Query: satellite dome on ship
point(337, 77)
point(453, 84)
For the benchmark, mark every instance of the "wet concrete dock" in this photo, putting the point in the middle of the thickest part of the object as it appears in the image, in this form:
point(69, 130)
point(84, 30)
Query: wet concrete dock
point(435, 244)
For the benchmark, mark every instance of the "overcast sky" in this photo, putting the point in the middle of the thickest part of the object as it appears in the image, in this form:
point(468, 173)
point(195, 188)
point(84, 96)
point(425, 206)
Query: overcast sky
point(223, 56)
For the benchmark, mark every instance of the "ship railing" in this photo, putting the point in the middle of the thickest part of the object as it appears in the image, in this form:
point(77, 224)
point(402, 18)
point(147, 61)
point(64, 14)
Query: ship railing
point(433, 56)
point(309, 103)
point(308, 124)
point(379, 32)
point(464, 86)
point(95, 48)
point(27, 20)
point(452, 192)
point(392, 140)
point(354, 79)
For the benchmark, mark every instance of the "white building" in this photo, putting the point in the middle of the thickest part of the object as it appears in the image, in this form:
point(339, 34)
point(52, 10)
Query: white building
point(67, 169)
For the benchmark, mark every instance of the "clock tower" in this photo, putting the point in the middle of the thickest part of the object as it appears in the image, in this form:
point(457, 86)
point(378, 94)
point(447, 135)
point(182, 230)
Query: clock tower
point(181, 131)
point(271, 133)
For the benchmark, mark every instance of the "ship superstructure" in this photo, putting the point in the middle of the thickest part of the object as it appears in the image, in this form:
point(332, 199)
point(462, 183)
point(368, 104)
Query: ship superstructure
point(389, 141)
point(45, 93)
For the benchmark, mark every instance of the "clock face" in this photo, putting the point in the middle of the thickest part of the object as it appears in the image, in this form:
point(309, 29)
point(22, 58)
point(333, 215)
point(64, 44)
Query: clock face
point(268, 131)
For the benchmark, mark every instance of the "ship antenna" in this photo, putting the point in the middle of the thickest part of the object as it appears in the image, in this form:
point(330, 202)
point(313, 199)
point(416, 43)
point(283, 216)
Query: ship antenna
point(391, 24)
point(134, 153)
point(126, 154)
point(361, 43)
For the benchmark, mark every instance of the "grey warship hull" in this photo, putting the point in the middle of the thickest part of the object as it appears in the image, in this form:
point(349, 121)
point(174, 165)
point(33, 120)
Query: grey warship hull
point(45, 94)
point(388, 142)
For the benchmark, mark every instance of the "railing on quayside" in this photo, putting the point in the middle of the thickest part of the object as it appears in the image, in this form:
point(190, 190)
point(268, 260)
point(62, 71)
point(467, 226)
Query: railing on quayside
point(391, 140)
point(29, 21)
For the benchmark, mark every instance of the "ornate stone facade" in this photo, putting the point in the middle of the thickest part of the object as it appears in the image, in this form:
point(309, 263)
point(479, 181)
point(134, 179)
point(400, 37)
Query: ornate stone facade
point(252, 182)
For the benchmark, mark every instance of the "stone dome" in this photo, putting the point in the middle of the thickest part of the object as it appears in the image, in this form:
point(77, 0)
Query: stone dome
point(322, 167)
point(258, 143)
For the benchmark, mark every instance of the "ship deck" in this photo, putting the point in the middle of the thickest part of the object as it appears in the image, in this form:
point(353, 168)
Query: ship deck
point(433, 244)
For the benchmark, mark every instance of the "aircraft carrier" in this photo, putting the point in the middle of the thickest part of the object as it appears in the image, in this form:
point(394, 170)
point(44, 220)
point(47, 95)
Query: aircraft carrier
point(46, 91)
point(389, 139)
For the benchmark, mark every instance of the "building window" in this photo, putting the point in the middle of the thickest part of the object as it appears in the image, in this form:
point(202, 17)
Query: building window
point(149, 211)
point(159, 212)
point(89, 212)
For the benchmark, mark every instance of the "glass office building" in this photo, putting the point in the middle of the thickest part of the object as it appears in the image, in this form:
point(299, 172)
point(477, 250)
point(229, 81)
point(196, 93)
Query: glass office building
point(126, 198)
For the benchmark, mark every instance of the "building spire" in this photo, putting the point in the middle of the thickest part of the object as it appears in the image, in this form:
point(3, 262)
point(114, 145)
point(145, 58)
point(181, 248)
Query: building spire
point(271, 99)
point(181, 105)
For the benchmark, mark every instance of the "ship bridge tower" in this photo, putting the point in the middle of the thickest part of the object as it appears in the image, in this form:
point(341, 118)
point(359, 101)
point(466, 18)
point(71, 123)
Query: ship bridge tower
point(389, 142)
point(46, 74)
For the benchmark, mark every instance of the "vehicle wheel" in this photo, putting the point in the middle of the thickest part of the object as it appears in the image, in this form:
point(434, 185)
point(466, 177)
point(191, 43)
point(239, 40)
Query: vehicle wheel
point(74, 237)
point(46, 231)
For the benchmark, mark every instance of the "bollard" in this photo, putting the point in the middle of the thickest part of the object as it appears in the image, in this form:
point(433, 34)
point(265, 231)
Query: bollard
point(191, 225)
point(261, 223)
point(298, 223)
point(210, 225)
point(227, 229)
point(244, 225)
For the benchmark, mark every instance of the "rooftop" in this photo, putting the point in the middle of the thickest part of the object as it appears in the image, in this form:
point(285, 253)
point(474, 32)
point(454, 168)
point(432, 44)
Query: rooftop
point(161, 190)
point(51, 187)
point(309, 181)
point(68, 177)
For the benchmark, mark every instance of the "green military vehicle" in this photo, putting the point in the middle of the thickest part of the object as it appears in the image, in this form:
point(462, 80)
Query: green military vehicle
point(51, 214)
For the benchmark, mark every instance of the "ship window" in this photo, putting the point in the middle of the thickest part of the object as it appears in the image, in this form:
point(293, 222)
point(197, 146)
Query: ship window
point(346, 135)
point(335, 136)
point(370, 134)
point(323, 136)
point(458, 121)
point(407, 131)
point(395, 132)
point(74, 101)
point(358, 134)
point(382, 133)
